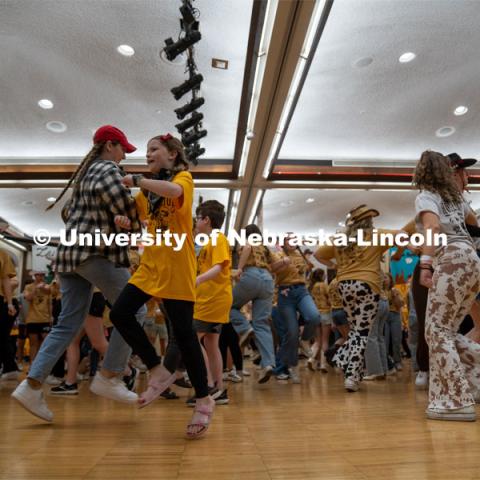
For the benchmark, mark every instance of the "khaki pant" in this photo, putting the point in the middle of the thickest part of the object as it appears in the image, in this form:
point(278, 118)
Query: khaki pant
point(454, 359)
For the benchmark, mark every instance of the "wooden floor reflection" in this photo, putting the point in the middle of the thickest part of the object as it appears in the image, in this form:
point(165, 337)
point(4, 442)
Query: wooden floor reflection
point(275, 431)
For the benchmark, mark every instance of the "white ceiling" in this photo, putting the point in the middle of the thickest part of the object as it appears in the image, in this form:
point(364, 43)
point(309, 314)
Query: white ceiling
point(287, 210)
point(390, 110)
point(65, 51)
point(17, 208)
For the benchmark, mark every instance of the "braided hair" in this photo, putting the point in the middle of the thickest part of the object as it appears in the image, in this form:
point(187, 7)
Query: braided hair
point(80, 171)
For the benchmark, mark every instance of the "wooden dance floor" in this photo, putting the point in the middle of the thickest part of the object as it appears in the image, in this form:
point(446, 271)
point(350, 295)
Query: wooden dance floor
point(273, 431)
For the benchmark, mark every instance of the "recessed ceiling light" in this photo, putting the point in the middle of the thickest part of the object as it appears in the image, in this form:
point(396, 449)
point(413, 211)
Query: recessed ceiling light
point(159, 111)
point(406, 57)
point(179, 60)
point(126, 50)
point(309, 200)
point(45, 104)
point(362, 62)
point(460, 110)
point(56, 127)
point(341, 224)
point(445, 132)
point(51, 199)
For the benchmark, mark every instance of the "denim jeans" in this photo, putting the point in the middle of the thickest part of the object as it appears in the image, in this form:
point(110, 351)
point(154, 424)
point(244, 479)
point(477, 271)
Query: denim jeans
point(281, 332)
point(376, 353)
point(255, 285)
point(293, 299)
point(393, 335)
point(413, 338)
point(77, 290)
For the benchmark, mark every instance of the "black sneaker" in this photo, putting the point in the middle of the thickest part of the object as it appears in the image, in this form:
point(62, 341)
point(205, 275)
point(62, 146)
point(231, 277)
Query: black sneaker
point(169, 395)
point(182, 382)
point(214, 392)
point(64, 389)
point(131, 380)
point(222, 399)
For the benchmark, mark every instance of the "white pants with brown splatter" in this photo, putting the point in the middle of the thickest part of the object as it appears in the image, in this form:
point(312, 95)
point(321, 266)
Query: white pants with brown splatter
point(454, 359)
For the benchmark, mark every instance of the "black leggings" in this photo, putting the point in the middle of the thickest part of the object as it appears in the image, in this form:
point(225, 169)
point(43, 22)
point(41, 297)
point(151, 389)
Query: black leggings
point(180, 313)
point(7, 353)
point(229, 340)
point(420, 298)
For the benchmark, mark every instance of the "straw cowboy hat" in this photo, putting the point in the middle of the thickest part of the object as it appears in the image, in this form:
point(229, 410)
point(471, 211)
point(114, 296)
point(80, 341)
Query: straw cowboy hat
point(360, 213)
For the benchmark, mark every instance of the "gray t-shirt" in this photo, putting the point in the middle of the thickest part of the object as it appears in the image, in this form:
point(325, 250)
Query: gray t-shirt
point(452, 217)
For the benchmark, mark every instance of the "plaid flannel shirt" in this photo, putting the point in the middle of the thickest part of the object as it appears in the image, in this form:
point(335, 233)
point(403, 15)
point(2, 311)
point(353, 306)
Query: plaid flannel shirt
point(99, 197)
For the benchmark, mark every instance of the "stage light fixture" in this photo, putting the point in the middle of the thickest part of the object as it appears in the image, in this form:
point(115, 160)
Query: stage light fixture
point(194, 152)
point(173, 49)
point(182, 112)
point(185, 87)
point(194, 120)
point(193, 136)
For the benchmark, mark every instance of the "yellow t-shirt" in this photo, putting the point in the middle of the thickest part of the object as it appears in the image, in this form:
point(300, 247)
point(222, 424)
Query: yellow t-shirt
point(391, 306)
point(40, 308)
point(214, 298)
point(151, 308)
point(334, 296)
point(164, 272)
point(320, 297)
point(359, 263)
point(293, 273)
point(259, 257)
point(6, 268)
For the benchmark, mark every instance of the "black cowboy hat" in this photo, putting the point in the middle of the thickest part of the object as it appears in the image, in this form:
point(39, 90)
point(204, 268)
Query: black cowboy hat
point(458, 162)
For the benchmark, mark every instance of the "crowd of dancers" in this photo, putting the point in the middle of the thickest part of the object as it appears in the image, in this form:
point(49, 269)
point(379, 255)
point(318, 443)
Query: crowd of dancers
point(187, 314)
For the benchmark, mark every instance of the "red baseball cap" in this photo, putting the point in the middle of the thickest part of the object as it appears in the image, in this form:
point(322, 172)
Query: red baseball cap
point(109, 132)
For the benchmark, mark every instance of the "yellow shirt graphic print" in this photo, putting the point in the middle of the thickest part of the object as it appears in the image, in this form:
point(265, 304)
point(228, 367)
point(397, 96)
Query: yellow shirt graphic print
point(165, 272)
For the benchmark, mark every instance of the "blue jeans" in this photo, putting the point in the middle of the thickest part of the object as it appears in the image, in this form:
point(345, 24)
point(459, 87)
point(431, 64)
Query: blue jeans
point(281, 332)
point(393, 335)
point(255, 285)
point(293, 299)
point(376, 353)
point(77, 291)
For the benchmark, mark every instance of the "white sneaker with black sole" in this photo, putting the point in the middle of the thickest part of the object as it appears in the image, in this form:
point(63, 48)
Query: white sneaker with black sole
point(222, 398)
point(112, 388)
point(32, 400)
point(65, 389)
point(265, 374)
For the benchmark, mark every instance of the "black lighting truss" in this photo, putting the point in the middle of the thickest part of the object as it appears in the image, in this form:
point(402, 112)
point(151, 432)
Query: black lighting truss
point(191, 127)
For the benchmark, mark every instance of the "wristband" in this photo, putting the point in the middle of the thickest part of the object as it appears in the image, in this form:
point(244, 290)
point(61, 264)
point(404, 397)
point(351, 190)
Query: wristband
point(137, 178)
point(426, 259)
point(426, 267)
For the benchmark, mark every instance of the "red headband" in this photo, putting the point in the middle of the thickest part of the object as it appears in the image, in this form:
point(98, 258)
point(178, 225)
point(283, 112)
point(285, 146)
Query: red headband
point(166, 137)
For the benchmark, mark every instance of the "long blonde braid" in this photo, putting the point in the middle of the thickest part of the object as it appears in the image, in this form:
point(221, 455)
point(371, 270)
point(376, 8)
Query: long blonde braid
point(81, 169)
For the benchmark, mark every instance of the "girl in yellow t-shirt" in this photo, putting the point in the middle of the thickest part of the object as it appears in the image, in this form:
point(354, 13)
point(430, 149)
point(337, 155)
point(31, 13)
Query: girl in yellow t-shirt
point(166, 272)
point(319, 292)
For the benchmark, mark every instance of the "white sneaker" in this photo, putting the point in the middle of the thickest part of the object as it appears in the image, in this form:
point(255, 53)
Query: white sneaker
point(351, 385)
point(112, 388)
point(265, 374)
point(32, 400)
point(282, 376)
point(233, 376)
point(52, 380)
point(421, 381)
point(465, 414)
point(294, 375)
point(10, 375)
point(399, 367)
point(246, 373)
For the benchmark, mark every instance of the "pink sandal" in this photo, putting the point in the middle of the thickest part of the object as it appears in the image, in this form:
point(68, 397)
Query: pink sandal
point(154, 390)
point(202, 416)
